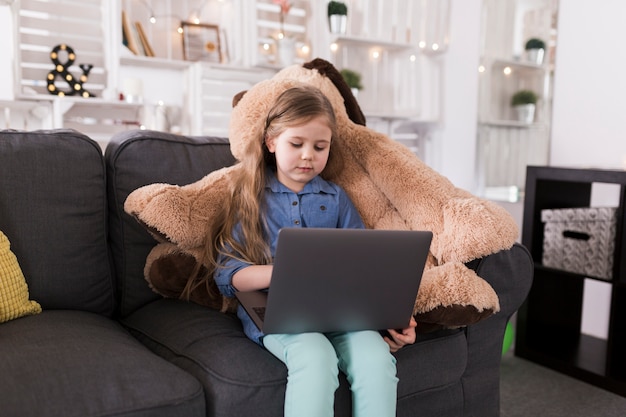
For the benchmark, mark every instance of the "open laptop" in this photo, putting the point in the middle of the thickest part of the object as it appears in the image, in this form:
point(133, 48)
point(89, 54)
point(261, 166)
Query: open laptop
point(327, 280)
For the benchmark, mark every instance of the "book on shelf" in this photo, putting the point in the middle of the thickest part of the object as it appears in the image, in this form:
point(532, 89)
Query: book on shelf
point(128, 37)
point(145, 43)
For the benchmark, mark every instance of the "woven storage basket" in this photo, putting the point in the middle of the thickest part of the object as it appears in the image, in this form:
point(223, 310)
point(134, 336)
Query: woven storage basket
point(580, 240)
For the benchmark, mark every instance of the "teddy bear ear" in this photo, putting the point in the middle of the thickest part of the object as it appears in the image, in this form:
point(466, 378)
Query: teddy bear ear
point(329, 71)
point(238, 97)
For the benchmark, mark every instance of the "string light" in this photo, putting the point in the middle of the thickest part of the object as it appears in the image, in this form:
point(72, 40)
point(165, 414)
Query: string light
point(152, 17)
point(194, 17)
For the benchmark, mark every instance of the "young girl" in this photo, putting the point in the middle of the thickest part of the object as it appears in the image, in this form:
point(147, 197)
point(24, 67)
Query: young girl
point(280, 186)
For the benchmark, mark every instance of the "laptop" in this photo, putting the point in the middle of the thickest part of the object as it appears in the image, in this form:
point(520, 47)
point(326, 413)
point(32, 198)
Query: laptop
point(327, 280)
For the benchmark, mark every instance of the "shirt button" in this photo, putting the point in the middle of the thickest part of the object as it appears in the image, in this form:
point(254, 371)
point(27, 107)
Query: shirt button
point(323, 208)
point(296, 222)
point(295, 203)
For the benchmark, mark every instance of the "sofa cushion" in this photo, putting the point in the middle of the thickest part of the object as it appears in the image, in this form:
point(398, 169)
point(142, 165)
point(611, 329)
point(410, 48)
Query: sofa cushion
point(510, 273)
point(239, 376)
point(72, 363)
point(53, 207)
point(435, 361)
point(14, 300)
point(141, 157)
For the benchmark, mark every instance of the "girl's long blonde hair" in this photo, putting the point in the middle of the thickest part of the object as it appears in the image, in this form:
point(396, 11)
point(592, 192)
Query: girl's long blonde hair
point(239, 230)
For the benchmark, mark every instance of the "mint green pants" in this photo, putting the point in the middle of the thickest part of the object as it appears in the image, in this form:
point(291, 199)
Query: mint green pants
point(313, 361)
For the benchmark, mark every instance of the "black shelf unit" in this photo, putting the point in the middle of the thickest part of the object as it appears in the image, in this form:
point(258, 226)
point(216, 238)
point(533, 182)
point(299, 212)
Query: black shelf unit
point(548, 323)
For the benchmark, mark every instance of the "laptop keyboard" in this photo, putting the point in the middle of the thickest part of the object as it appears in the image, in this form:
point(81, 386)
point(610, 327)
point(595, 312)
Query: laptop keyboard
point(260, 311)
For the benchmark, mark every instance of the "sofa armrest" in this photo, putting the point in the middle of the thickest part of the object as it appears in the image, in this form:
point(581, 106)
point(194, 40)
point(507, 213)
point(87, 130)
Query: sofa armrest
point(510, 273)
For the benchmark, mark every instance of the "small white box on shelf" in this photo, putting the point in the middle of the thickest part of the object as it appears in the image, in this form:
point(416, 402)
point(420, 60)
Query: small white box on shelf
point(580, 240)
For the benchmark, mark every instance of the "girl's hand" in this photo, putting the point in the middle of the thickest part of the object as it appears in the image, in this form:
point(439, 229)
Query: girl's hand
point(397, 340)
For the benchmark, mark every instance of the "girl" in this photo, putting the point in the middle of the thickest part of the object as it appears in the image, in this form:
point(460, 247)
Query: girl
point(279, 186)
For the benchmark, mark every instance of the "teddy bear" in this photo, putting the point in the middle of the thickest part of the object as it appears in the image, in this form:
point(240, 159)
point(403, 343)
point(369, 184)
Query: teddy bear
point(389, 185)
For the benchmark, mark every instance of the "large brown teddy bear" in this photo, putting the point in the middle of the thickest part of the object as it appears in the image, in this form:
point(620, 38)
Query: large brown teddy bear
point(389, 185)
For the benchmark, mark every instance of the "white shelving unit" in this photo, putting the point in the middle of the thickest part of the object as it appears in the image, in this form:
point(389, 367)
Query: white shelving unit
point(396, 50)
point(396, 46)
point(213, 90)
point(505, 145)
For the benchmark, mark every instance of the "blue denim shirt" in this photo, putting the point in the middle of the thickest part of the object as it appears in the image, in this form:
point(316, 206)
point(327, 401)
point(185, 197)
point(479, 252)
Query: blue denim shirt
point(320, 204)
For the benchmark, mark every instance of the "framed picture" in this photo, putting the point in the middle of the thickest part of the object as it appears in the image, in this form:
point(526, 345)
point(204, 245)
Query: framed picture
point(201, 42)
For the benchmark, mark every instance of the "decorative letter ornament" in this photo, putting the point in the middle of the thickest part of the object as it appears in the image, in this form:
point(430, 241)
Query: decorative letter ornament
point(62, 70)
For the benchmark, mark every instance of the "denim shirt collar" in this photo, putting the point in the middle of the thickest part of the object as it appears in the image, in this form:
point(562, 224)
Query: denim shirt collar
point(316, 186)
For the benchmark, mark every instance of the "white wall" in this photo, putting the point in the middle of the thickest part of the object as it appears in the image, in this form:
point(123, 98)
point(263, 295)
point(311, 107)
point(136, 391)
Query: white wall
point(460, 96)
point(588, 125)
point(589, 120)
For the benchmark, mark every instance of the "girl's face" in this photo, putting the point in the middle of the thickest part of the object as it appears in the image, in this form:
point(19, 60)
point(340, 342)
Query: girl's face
point(301, 152)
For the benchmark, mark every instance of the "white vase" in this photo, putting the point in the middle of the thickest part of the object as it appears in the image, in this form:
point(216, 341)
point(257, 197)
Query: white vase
point(338, 23)
point(286, 51)
point(355, 92)
point(535, 55)
point(525, 113)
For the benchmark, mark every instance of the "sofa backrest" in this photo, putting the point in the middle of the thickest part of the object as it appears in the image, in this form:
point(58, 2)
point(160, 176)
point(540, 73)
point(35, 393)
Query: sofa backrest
point(141, 157)
point(53, 210)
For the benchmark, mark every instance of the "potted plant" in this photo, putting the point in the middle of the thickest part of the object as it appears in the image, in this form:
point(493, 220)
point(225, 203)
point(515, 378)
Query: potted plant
point(535, 50)
point(337, 17)
point(524, 103)
point(353, 79)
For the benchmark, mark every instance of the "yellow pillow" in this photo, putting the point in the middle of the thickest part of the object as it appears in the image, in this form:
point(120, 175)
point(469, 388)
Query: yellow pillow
point(14, 300)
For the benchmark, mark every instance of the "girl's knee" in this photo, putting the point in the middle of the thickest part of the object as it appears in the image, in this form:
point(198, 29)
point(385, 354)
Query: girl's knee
point(313, 367)
point(375, 365)
point(313, 370)
point(322, 357)
point(383, 367)
point(312, 354)
point(368, 354)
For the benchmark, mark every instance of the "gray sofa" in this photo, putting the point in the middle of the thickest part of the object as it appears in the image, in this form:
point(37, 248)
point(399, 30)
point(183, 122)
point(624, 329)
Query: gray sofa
point(106, 345)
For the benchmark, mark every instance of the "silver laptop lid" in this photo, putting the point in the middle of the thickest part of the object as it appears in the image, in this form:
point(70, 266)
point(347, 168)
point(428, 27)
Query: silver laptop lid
point(344, 279)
